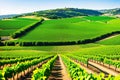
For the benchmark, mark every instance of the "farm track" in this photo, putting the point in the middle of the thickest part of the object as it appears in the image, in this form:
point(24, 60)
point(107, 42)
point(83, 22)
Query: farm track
point(59, 71)
point(28, 76)
point(104, 69)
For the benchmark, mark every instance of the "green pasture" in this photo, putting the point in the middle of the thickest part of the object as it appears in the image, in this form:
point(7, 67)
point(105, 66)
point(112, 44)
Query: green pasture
point(99, 18)
point(72, 29)
point(56, 49)
point(111, 41)
point(7, 27)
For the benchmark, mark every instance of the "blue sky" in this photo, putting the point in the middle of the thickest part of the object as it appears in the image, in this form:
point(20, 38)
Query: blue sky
point(23, 6)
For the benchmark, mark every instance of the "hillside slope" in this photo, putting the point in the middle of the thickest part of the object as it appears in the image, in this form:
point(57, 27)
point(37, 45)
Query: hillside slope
point(65, 13)
point(115, 11)
point(7, 16)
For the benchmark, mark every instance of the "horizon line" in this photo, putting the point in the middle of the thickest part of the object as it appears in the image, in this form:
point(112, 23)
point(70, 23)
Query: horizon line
point(52, 9)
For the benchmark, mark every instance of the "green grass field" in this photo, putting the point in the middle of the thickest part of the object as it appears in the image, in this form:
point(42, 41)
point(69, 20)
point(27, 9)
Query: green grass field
point(56, 49)
point(72, 29)
point(112, 41)
point(7, 27)
point(100, 18)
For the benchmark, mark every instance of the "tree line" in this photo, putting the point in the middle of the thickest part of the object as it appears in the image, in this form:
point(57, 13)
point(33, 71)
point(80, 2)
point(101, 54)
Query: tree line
point(37, 43)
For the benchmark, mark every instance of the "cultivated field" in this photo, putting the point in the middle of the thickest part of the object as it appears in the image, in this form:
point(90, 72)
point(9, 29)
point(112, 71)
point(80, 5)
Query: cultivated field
point(99, 60)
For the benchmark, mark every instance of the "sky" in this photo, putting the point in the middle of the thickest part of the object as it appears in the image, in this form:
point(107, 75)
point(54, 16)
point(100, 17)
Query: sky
point(24, 6)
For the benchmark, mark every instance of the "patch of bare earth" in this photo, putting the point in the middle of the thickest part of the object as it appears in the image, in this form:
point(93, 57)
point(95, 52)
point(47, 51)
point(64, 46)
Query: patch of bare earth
point(46, 18)
point(35, 17)
point(6, 19)
point(31, 17)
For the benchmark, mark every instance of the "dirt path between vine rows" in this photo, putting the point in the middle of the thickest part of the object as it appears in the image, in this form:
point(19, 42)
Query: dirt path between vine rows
point(59, 71)
point(103, 68)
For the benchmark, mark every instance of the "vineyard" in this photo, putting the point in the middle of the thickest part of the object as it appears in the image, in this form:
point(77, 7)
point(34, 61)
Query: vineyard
point(45, 66)
point(37, 49)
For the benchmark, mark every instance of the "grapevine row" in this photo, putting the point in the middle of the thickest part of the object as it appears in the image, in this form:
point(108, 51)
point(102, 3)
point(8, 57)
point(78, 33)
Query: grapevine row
point(110, 60)
point(78, 73)
point(44, 72)
point(12, 61)
point(8, 72)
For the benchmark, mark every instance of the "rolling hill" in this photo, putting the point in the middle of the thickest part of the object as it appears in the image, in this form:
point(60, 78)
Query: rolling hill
point(115, 11)
point(7, 16)
point(65, 13)
point(84, 47)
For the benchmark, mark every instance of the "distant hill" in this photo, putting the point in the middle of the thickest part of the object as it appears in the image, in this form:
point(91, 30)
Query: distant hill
point(65, 12)
point(7, 16)
point(115, 11)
